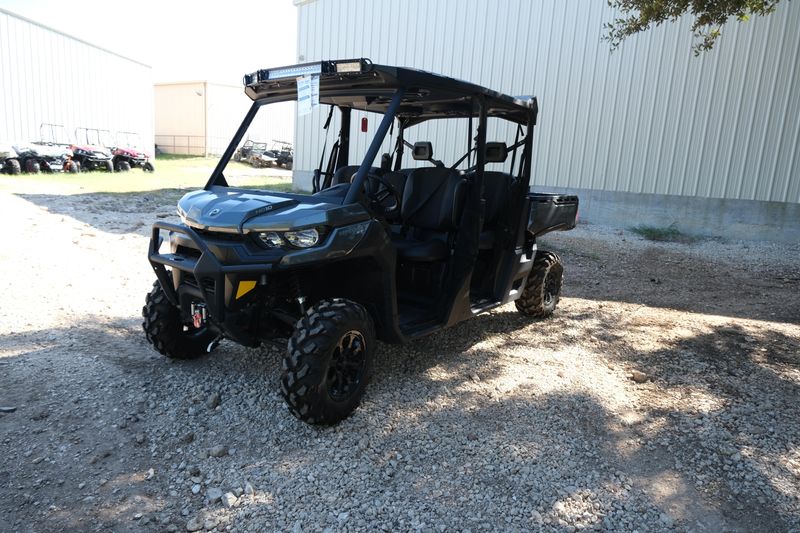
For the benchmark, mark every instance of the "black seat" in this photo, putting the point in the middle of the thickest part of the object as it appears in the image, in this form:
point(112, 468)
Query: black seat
point(345, 174)
point(433, 199)
point(497, 193)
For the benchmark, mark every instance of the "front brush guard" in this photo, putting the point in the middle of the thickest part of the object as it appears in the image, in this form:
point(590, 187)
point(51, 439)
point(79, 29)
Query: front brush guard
point(207, 269)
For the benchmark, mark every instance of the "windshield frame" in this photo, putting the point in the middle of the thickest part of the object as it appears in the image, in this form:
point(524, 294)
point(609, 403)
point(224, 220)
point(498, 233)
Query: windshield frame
point(217, 178)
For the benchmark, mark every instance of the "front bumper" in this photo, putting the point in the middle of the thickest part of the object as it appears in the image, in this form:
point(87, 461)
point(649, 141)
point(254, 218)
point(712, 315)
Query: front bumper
point(213, 280)
point(223, 273)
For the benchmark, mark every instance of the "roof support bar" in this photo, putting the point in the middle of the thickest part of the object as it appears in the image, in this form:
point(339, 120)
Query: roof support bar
point(374, 147)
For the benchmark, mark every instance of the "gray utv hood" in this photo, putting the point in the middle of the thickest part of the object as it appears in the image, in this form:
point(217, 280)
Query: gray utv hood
point(233, 211)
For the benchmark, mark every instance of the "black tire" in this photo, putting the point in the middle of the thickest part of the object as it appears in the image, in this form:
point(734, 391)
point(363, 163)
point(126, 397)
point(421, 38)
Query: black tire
point(328, 362)
point(109, 166)
point(32, 167)
point(542, 287)
point(74, 167)
point(148, 166)
point(166, 331)
point(13, 167)
point(123, 166)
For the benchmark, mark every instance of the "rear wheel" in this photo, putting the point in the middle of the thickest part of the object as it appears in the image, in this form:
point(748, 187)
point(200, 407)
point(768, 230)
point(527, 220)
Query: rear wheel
point(123, 166)
point(32, 167)
point(328, 362)
point(169, 334)
point(542, 287)
point(74, 167)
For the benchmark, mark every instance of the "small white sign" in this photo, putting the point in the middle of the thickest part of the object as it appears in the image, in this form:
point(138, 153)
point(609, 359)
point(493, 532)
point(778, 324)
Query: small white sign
point(307, 94)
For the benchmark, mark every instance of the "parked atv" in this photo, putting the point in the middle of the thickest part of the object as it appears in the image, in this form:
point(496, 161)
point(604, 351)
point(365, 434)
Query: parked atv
point(127, 155)
point(9, 162)
point(44, 157)
point(55, 136)
point(392, 252)
point(89, 150)
point(283, 153)
point(249, 149)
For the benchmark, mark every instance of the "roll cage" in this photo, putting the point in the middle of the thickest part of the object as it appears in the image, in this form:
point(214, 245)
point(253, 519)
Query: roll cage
point(406, 95)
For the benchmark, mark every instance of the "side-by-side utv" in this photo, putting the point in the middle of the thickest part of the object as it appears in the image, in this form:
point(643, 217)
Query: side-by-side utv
point(389, 247)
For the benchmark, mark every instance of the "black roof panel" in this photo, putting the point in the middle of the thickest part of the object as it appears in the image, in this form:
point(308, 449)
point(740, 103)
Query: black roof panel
point(361, 84)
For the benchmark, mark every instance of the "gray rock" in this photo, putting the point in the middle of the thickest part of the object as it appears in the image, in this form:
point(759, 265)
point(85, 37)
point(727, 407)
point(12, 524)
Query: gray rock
point(218, 451)
point(248, 489)
point(213, 400)
point(194, 524)
point(214, 495)
point(229, 500)
point(639, 377)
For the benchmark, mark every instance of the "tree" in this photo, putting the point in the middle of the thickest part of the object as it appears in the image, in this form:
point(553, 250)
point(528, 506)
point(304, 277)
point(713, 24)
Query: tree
point(709, 17)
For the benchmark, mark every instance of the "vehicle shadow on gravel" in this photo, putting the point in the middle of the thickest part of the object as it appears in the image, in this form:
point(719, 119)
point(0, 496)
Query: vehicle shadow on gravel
point(559, 456)
point(735, 458)
point(112, 212)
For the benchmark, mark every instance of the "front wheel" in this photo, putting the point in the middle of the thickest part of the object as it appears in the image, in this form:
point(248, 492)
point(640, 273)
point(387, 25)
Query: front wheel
point(109, 166)
point(328, 362)
point(148, 166)
point(169, 334)
point(542, 287)
point(13, 167)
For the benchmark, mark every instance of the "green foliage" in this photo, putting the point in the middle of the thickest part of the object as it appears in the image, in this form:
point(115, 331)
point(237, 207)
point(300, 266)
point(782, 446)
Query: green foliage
point(666, 234)
point(709, 17)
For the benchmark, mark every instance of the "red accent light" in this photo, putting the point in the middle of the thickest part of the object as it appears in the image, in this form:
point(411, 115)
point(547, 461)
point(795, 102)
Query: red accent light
point(364, 124)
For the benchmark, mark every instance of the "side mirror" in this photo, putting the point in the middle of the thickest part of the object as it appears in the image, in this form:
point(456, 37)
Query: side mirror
point(496, 152)
point(423, 151)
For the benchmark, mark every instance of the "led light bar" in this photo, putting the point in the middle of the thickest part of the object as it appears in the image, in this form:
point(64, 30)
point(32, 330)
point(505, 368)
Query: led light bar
point(347, 66)
point(295, 71)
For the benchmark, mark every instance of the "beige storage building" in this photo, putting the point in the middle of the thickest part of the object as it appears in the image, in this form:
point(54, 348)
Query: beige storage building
point(200, 118)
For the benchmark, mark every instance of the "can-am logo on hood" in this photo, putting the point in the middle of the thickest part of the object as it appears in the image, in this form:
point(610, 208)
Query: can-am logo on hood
point(214, 212)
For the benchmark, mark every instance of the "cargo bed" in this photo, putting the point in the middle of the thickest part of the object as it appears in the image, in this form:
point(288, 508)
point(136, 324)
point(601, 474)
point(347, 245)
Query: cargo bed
point(552, 212)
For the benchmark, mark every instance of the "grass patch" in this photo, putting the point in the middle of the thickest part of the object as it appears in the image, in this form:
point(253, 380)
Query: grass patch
point(664, 234)
point(171, 172)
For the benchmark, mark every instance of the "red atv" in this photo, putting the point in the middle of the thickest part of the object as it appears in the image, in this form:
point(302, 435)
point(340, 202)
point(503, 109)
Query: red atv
point(126, 156)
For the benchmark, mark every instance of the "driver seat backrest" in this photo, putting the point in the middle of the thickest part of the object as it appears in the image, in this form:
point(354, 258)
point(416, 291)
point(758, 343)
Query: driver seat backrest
point(433, 199)
point(345, 174)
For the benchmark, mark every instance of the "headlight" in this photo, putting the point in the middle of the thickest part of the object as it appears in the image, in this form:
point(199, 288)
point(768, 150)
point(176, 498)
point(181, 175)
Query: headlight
point(304, 238)
point(271, 239)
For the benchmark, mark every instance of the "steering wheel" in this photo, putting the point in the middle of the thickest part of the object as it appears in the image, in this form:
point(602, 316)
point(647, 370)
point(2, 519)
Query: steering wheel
point(384, 199)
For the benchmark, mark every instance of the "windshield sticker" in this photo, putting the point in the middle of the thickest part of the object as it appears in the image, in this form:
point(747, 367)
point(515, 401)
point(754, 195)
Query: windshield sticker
point(307, 94)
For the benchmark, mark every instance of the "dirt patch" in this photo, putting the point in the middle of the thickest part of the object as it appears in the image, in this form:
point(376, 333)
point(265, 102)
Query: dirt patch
point(662, 395)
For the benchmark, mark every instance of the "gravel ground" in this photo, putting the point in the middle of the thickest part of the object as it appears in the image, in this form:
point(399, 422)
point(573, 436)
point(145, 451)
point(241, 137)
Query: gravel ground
point(663, 395)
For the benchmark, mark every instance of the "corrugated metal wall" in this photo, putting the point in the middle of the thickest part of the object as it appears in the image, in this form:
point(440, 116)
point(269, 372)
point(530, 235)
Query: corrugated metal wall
point(49, 77)
point(648, 118)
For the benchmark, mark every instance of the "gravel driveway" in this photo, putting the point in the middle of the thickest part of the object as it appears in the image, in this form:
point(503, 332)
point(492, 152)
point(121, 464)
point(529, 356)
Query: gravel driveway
point(663, 395)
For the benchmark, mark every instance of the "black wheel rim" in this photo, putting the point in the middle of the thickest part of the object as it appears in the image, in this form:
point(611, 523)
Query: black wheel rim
point(549, 289)
point(347, 366)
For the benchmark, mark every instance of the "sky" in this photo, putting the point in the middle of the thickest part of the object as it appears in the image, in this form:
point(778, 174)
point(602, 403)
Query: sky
point(181, 40)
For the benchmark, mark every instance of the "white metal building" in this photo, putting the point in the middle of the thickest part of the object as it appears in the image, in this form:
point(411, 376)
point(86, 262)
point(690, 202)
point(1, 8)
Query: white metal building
point(47, 76)
point(647, 134)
